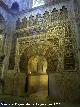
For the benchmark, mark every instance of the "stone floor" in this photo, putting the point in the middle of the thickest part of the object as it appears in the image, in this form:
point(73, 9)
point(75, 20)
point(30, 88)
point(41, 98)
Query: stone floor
point(34, 100)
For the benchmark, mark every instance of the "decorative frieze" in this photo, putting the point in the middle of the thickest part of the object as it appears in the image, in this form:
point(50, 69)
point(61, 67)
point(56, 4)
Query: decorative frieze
point(41, 20)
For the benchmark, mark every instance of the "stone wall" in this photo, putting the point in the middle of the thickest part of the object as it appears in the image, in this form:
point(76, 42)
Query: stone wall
point(8, 83)
point(14, 83)
point(65, 86)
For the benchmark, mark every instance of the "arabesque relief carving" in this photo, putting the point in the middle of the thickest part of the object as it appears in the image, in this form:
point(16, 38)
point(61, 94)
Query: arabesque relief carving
point(40, 23)
point(51, 36)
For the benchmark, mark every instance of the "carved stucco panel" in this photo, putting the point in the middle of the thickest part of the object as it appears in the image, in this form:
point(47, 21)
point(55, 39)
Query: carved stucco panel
point(40, 44)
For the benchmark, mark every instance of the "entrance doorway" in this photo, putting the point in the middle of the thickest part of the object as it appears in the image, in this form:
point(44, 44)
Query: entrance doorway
point(37, 79)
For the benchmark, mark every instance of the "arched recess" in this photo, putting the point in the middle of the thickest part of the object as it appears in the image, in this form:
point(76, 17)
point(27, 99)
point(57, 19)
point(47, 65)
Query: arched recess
point(24, 58)
point(37, 65)
point(49, 60)
point(34, 64)
point(29, 54)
